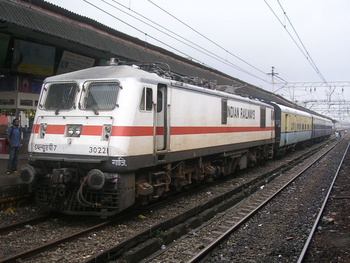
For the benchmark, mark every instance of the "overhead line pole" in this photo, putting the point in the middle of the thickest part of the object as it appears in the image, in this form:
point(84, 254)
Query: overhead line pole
point(272, 78)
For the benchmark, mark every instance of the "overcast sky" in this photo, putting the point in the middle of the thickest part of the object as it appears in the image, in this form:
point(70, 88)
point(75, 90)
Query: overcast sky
point(244, 34)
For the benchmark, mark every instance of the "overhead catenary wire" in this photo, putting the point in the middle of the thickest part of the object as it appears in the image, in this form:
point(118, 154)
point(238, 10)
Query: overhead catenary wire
point(211, 41)
point(301, 42)
point(208, 53)
point(135, 28)
point(179, 38)
point(303, 50)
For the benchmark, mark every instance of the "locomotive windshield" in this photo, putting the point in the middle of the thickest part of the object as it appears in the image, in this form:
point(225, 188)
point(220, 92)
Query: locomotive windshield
point(101, 96)
point(61, 96)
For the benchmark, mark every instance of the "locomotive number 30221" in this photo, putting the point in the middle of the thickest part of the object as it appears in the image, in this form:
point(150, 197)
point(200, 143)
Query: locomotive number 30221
point(101, 150)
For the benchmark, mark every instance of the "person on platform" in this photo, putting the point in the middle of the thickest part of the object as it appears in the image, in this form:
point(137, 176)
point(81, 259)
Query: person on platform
point(14, 138)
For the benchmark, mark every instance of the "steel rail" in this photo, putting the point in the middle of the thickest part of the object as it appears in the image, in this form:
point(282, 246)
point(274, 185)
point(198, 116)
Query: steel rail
point(53, 244)
point(39, 249)
point(312, 232)
point(32, 221)
point(105, 255)
point(36, 250)
point(203, 253)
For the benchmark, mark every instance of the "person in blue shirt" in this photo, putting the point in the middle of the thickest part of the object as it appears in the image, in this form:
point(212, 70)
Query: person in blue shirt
point(14, 139)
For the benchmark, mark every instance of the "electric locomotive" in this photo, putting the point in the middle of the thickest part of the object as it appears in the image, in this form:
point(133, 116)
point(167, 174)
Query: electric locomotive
point(106, 137)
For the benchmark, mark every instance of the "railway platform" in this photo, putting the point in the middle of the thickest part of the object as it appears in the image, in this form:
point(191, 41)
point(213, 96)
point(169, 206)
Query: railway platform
point(12, 179)
point(13, 193)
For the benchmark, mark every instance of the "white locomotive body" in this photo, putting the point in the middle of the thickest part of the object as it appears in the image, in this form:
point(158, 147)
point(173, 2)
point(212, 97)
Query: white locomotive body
point(106, 136)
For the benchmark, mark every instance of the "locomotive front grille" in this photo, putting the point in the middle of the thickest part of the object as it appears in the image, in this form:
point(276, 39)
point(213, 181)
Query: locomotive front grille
point(92, 202)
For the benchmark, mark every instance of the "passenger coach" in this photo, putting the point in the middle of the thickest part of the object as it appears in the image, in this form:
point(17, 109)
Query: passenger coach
point(321, 128)
point(298, 128)
point(292, 126)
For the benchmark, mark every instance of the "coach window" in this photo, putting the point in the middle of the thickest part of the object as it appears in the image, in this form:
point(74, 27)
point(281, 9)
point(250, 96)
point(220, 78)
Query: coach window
point(224, 111)
point(146, 99)
point(262, 118)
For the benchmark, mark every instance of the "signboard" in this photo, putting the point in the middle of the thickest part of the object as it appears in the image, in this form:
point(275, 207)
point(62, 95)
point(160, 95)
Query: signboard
point(72, 62)
point(33, 58)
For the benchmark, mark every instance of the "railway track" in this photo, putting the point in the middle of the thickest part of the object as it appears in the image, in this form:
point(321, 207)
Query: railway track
point(156, 228)
point(32, 223)
point(318, 218)
point(330, 242)
point(21, 224)
point(213, 232)
point(177, 232)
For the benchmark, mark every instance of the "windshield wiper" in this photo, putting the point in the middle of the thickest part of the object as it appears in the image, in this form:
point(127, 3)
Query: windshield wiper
point(95, 111)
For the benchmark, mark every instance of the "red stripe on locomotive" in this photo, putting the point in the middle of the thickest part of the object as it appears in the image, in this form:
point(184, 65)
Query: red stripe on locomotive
point(131, 131)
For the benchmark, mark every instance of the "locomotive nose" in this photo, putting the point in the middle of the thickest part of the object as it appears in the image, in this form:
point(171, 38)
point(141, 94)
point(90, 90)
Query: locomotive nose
point(27, 174)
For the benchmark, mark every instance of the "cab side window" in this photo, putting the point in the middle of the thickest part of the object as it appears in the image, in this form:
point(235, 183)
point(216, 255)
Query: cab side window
point(146, 99)
point(224, 111)
point(262, 117)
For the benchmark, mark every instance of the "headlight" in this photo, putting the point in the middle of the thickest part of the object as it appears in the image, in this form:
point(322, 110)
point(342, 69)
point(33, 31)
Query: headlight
point(78, 130)
point(73, 130)
point(42, 131)
point(70, 131)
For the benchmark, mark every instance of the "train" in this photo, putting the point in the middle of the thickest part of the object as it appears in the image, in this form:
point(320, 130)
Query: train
point(109, 137)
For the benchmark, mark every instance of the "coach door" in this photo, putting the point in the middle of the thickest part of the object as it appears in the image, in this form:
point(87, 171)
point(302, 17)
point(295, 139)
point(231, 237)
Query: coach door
point(161, 131)
point(287, 130)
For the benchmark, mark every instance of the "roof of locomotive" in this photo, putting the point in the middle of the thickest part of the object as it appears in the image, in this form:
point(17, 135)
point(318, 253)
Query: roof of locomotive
point(128, 71)
point(101, 72)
